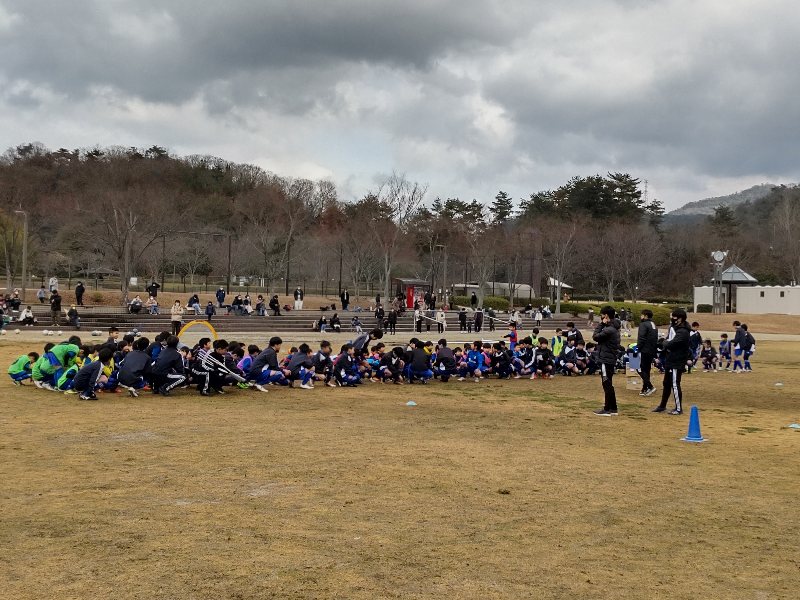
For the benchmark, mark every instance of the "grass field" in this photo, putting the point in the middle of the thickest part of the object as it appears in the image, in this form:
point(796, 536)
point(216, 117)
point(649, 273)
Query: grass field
point(491, 490)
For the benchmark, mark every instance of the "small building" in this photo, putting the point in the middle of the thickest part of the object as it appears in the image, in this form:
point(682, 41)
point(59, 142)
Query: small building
point(741, 293)
point(410, 289)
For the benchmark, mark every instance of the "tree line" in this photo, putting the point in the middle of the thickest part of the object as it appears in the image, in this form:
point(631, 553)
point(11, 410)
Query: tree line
point(145, 212)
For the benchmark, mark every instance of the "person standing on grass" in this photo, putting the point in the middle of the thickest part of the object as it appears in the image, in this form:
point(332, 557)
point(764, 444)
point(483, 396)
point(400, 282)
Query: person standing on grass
point(606, 334)
point(345, 298)
point(176, 317)
point(677, 353)
point(647, 342)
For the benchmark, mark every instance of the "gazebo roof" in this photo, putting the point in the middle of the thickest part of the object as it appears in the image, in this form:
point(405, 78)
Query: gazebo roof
point(734, 274)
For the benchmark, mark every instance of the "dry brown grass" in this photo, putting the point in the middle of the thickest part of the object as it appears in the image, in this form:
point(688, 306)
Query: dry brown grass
point(786, 324)
point(341, 494)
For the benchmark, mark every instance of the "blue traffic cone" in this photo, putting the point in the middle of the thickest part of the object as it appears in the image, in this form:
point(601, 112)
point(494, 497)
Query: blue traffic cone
point(694, 434)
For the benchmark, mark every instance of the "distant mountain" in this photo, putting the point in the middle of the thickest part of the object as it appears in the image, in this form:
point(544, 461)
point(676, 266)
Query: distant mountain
point(702, 208)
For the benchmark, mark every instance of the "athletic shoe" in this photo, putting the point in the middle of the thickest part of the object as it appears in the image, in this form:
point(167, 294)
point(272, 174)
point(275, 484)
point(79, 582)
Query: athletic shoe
point(38, 383)
point(650, 392)
point(132, 392)
point(329, 384)
point(17, 382)
point(260, 388)
point(658, 409)
point(70, 392)
point(163, 391)
point(219, 390)
point(306, 386)
point(606, 413)
point(461, 379)
point(204, 393)
point(477, 380)
point(242, 385)
point(517, 376)
point(88, 397)
point(676, 412)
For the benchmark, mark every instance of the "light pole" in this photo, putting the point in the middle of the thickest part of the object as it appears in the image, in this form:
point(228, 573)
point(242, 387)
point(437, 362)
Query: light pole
point(444, 274)
point(718, 256)
point(24, 252)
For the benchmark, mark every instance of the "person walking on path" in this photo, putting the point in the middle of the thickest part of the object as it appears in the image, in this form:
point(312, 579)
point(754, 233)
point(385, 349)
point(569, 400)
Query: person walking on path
point(80, 290)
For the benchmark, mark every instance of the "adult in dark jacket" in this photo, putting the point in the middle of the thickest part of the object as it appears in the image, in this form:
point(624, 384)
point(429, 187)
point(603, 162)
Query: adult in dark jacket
point(606, 334)
point(220, 297)
point(676, 353)
point(647, 342)
point(80, 290)
point(298, 298)
point(345, 298)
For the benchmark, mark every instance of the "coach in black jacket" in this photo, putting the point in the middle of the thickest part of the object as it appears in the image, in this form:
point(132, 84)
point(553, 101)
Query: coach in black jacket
point(607, 337)
point(677, 353)
point(647, 342)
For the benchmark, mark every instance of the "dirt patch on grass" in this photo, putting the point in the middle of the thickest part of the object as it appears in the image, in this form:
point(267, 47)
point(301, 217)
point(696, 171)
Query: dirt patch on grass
point(492, 490)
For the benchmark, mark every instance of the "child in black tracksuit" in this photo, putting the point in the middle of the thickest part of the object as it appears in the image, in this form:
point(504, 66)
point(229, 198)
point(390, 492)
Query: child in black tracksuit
point(168, 370)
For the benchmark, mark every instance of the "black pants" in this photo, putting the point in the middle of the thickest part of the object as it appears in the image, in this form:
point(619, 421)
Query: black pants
point(392, 328)
point(644, 372)
point(672, 386)
point(607, 373)
point(176, 327)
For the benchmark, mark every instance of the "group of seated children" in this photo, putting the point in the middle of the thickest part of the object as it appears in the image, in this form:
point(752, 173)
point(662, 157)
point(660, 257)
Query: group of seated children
point(136, 364)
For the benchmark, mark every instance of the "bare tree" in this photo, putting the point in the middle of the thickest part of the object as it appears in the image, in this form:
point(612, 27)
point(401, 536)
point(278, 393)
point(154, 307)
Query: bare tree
point(398, 200)
point(560, 243)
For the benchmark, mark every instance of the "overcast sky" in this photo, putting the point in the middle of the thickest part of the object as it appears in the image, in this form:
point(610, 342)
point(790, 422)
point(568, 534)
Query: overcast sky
point(699, 97)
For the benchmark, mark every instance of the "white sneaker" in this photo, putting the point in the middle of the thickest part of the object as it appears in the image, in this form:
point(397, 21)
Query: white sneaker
point(261, 388)
point(306, 386)
point(331, 383)
point(461, 379)
point(477, 380)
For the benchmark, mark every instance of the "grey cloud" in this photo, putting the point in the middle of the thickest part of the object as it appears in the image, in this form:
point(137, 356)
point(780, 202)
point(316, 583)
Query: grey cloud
point(167, 51)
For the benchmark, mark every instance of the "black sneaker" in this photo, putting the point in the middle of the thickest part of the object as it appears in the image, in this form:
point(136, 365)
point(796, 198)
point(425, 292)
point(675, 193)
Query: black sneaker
point(659, 409)
point(204, 393)
point(219, 390)
point(163, 391)
point(606, 413)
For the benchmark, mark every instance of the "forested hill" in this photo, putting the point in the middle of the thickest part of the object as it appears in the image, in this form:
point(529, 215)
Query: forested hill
point(706, 206)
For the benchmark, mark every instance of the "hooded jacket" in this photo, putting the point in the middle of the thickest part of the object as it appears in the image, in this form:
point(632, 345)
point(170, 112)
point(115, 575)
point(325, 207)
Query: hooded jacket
point(607, 337)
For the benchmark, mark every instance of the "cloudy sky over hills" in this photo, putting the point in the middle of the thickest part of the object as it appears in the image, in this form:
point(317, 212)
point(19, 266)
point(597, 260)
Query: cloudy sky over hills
point(471, 96)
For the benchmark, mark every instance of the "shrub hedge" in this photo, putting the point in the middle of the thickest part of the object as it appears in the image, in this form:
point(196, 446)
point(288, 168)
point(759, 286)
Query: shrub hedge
point(704, 308)
point(495, 302)
point(660, 313)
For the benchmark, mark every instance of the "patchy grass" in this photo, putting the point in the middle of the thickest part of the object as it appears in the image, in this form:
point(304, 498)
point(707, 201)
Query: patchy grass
point(492, 490)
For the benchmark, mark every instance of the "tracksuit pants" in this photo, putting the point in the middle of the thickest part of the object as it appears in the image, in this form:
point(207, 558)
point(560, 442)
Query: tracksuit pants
point(672, 385)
